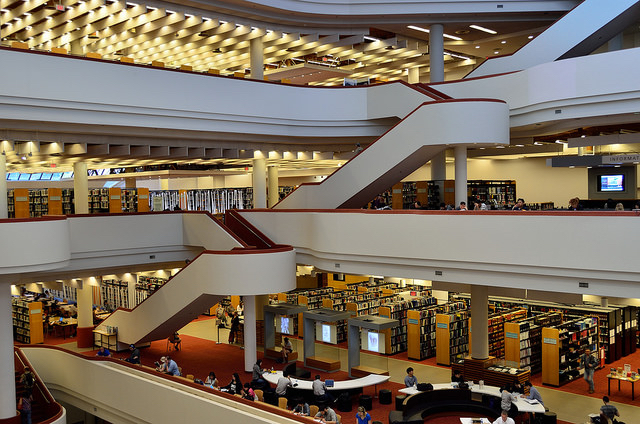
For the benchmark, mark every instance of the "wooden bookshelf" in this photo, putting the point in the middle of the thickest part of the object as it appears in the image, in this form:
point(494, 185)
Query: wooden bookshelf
point(21, 203)
point(550, 356)
point(55, 201)
point(27, 321)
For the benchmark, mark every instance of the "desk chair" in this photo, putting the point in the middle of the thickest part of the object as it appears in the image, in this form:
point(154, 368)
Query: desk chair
point(313, 410)
point(260, 394)
point(282, 403)
point(339, 418)
point(190, 377)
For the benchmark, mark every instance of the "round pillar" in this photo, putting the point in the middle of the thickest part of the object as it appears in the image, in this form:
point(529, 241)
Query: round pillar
point(4, 207)
point(461, 174)
point(274, 193)
point(80, 187)
point(436, 53)
point(259, 182)
point(439, 166)
point(479, 322)
point(7, 370)
point(85, 314)
point(256, 54)
point(250, 354)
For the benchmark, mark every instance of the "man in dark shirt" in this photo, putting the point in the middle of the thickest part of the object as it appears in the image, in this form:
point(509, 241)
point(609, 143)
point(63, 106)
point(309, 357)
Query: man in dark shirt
point(608, 410)
point(134, 358)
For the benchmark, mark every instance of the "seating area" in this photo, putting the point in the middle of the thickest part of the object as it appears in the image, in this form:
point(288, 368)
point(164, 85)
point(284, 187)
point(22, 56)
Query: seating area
point(417, 407)
point(324, 364)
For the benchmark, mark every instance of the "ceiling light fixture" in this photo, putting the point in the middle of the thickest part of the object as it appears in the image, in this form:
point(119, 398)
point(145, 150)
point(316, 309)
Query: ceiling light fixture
point(370, 38)
point(452, 37)
point(479, 28)
point(417, 28)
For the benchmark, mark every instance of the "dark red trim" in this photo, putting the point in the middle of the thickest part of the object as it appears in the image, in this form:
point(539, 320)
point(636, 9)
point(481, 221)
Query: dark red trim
point(42, 218)
point(259, 405)
point(85, 336)
point(459, 213)
point(252, 236)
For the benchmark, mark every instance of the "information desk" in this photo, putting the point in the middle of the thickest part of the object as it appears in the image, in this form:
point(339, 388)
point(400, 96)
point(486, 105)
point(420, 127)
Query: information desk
point(523, 405)
point(622, 378)
point(356, 383)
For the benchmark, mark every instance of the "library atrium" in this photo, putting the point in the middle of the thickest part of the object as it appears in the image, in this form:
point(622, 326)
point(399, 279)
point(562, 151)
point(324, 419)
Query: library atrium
point(163, 161)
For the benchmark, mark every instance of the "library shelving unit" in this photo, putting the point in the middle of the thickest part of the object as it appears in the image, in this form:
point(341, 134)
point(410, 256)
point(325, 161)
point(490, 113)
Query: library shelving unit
point(27, 321)
point(523, 340)
point(68, 206)
point(562, 347)
point(145, 286)
point(440, 191)
point(452, 336)
point(498, 193)
point(421, 328)
point(115, 294)
point(397, 338)
point(38, 202)
point(99, 200)
point(11, 211)
point(496, 325)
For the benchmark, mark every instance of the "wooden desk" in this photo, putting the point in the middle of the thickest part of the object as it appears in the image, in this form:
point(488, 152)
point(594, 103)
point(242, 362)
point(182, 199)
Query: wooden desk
point(67, 323)
point(621, 378)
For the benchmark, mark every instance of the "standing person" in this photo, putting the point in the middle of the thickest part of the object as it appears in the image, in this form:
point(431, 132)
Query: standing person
point(504, 419)
point(410, 380)
point(609, 411)
point(24, 406)
point(27, 379)
point(589, 363)
point(235, 326)
point(287, 348)
point(362, 416)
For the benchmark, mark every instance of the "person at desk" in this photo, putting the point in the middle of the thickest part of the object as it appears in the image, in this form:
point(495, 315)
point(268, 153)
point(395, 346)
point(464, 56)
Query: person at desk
point(235, 386)
point(134, 357)
point(504, 418)
point(326, 414)
point(282, 384)
point(257, 373)
point(362, 416)
point(320, 390)
point(103, 352)
point(507, 399)
point(457, 377)
point(609, 411)
point(520, 205)
point(162, 365)
point(410, 380)
point(517, 388)
point(534, 394)
point(212, 381)
point(301, 408)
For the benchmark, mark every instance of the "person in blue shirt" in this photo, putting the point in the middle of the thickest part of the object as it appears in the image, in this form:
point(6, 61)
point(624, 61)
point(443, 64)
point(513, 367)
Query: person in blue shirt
point(104, 352)
point(172, 367)
point(362, 416)
point(410, 380)
point(534, 394)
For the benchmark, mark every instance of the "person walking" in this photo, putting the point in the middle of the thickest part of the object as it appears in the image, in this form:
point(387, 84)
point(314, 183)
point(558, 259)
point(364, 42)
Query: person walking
point(589, 363)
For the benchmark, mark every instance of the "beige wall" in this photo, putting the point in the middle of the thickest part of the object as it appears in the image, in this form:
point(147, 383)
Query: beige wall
point(535, 181)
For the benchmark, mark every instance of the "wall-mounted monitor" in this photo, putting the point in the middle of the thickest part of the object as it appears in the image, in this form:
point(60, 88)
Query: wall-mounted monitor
point(611, 183)
point(284, 325)
point(372, 341)
point(327, 333)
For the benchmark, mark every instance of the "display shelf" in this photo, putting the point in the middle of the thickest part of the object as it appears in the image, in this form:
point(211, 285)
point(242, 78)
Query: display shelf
point(27, 321)
point(397, 338)
point(496, 327)
point(452, 336)
point(107, 338)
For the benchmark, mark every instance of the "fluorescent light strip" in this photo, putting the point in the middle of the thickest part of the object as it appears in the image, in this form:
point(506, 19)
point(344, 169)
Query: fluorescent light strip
point(456, 55)
point(417, 28)
point(452, 37)
point(370, 38)
point(479, 28)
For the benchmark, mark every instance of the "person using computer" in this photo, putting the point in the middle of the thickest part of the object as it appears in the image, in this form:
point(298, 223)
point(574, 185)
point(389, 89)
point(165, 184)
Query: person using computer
point(320, 390)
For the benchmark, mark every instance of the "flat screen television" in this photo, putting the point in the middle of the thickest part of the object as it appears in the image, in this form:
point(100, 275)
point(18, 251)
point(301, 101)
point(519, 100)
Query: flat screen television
point(327, 333)
point(372, 341)
point(284, 325)
point(611, 183)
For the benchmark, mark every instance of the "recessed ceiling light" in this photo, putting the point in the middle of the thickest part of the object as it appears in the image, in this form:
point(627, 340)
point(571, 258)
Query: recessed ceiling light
point(496, 52)
point(504, 41)
point(530, 37)
point(479, 28)
point(477, 47)
point(519, 145)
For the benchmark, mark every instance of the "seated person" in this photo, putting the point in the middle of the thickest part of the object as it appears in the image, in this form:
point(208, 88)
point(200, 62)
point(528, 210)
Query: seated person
point(287, 348)
point(504, 418)
point(609, 411)
point(457, 377)
point(212, 381)
point(175, 340)
point(326, 414)
point(172, 367)
point(282, 384)
point(162, 365)
point(301, 408)
point(104, 352)
point(248, 393)
point(410, 380)
point(320, 390)
point(134, 358)
point(235, 386)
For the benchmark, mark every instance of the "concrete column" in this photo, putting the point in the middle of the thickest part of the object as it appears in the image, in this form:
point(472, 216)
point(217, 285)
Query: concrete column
point(259, 182)
point(439, 167)
point(615, 43)
point(436, 53)
point(274, 194)
point(7, 371)
point(85, 314)
point(413, 75)
point(250, 354)
point(261, 300)
point(309, 341)
point(256, 54)
point(4, 207)
point(75, 47)
point(461, 174)
point(479, 322)
point(81, 187)
point(604, 301)
point(353, 349)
